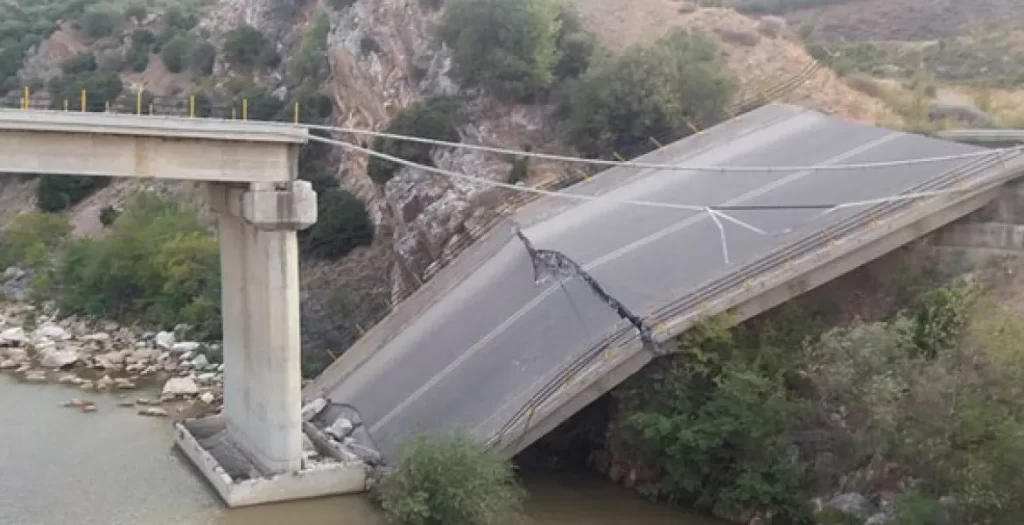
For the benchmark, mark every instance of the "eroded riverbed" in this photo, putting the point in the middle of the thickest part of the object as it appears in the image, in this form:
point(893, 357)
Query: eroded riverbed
point(113, 467)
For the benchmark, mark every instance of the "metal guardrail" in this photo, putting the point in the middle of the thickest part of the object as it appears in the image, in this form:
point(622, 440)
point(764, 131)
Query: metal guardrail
point(741, 280)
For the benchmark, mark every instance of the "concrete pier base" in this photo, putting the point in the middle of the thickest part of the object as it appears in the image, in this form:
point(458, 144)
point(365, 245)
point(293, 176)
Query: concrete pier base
point(207, 443)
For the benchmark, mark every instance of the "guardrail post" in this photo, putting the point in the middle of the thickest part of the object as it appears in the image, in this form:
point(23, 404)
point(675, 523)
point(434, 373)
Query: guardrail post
point(245, 109)
point(65, 104)
point(25, 99)
point(84, 100)
point(296, 112)
point(192, 106)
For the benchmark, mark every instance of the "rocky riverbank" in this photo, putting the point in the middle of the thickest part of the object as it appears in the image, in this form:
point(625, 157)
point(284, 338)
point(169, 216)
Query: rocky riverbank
point(36, 345)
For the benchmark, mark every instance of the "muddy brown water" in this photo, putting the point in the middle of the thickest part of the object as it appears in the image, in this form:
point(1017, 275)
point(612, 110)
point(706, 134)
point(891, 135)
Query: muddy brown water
point(113, 467)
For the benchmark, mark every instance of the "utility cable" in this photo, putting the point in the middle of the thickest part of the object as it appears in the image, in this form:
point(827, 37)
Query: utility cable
point(650, 165)
point(828, 207)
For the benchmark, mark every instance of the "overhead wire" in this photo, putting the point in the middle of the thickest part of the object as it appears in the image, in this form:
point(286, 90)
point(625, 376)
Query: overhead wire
point(718, 209)
point(652, 165)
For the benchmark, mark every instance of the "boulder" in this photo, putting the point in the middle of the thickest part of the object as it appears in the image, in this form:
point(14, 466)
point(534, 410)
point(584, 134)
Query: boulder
point(16, 354)
point(13, 273)
point(964, 113)
point(181, 348)
point(52, 332)
point(8, 364)
point(99, 337)
point(200, 361)
point(853, 504)
point(180, 386)
point(13, 336)
point(35, 376)
point(122, 383)
point(89, 408)
point(144, 354)
point(341, 428)
point(164, 340)
point(153, 412)
point(104, 383)
point(207, 397)
point(53, 358)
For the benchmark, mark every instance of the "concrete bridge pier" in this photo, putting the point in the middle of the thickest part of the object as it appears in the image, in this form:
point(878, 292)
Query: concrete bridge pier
point(260, 297)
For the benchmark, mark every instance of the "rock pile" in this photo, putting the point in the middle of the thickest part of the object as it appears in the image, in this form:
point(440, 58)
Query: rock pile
point(37, 346)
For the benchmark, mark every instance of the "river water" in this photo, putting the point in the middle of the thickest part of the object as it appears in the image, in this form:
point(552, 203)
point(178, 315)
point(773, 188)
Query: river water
point(59, 466)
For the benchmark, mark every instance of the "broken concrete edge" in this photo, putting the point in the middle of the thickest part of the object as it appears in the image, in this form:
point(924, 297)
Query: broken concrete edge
point(345, 477)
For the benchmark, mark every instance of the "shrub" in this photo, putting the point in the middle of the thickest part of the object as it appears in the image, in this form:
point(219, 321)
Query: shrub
point(310, 63)
point(156, 265)
point(108, 215)
point(136, 12)
point(176, 19)
point(263, 105)
point(101, 86)
point(434, 119)
point(715, 418)
point(246, 47)
point(342, 225)
point(506, 46)
point(341, 4)
point(520, 170)
point(175, 51)
point(80, 63)
point(649, 92)
point(449, 481)
point(99, 21)
point(59, 192)
point(31, 232)
point(203, 58)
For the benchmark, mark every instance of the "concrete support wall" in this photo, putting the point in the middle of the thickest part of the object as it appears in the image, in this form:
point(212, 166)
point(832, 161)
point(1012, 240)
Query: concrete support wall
point(260, 279)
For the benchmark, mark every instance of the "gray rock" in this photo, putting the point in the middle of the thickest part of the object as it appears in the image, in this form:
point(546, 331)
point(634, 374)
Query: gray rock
point(13, 336)
point(8, 364)
point(200, 361)
point(104, 383)
point(89, 408)
point(35, 376)
point(122, 383)
point(854, 504)
point(340, 429)
point(52, 358)
point(180, 348)
point(13, 273)
point(68, 379)
point(99, 337)
point(16, 354)
point(313, 408)
point(180, 386)
point(153, 412)
point(164, 340)
point(207, 397)
point(52, 332)
point(966, 114)
point(878, 519)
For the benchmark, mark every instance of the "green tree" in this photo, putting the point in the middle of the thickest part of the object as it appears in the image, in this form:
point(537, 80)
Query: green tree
point(80, 63)
point(175, 52)
point(99, 21)
point(59, 192)
point(342, 225)
point(100, 86)
point(433, 119)
point(451, 481)
point(246, 47)
point(310, 62)
point(649, 92)
point(30, 232)
point(203, 58)
point(507, 46)
point(136, 11)
point(177, 19)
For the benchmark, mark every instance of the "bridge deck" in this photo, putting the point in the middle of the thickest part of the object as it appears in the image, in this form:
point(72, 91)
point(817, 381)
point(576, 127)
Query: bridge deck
point(483, 337)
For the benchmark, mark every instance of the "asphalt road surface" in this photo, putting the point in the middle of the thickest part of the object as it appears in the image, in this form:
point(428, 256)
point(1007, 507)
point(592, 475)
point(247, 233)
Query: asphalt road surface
point(487, 335)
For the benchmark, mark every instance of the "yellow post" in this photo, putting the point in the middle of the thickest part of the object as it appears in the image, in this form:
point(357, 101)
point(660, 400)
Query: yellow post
point(150, 108)
point(138, 103)
point(106, 106)
point(656, 143)
point(192, 106)
point(296, 112)
point(25, 99)
point(692, 126)
point(618, 157)
point(84, 98)
point(245, 109)
point(65, 104)
point(233, 112)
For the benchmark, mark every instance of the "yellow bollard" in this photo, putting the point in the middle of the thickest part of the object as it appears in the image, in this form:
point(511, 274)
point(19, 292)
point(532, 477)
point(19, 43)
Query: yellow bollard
point(106, 106)
point(296, 112)
point(65, 104)
point(693, 126)
point(192, 106)
point(25, 99)
point(151, 109)
point(84, 99)
point(656, 143)
point(618, 157)
point(245, 109)
point(138, 103)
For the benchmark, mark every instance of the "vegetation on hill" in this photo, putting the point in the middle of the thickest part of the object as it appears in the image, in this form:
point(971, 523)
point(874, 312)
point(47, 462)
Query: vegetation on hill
point(433, 119)
point(777, 6)
point(658, 91)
